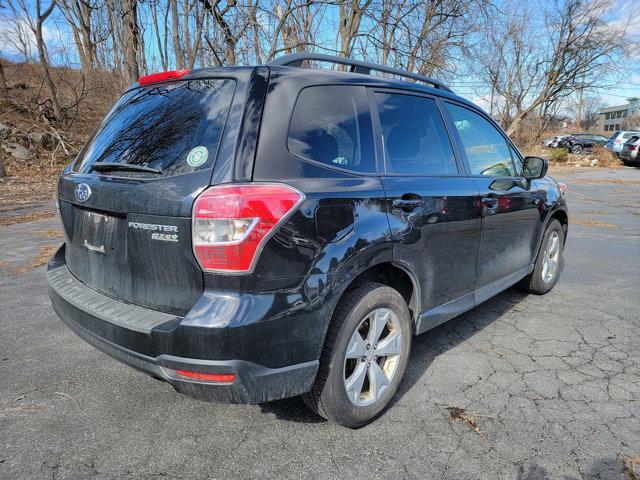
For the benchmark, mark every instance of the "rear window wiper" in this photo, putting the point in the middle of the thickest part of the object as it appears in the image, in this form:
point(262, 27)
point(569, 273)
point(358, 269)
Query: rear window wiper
point(125, 167)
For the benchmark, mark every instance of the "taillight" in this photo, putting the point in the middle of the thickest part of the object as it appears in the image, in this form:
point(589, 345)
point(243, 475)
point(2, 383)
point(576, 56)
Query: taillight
point(632, 147)
point(162, 76)
point(231, 223)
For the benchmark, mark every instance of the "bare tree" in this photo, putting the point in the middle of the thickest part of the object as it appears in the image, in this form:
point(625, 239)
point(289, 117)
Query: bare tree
point(351, 13)
point(424, 36)
point(230, 38)
point(130, 40)
point(589, 110)
point(78, 14)
point(36, 21)
point(530, 70)
point(18, 35)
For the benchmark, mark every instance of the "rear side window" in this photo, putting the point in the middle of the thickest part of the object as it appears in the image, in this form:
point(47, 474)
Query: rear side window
point(486, 149)
point(331, 125)
point(174, 128)
point(415, 138)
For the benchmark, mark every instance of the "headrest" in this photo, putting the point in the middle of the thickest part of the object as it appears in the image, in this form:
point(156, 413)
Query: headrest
point(321, 146)
point(403, 141)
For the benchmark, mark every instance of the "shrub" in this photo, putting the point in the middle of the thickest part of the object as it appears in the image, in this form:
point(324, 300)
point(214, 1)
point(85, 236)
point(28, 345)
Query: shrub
point(606, 158)
point(558, 155)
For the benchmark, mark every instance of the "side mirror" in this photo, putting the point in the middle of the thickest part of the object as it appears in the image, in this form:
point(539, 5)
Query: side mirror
point(534, 167)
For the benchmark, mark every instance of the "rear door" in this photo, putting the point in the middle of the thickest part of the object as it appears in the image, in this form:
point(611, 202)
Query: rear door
point(433, 207)
point(510, 216)
point(128, 232)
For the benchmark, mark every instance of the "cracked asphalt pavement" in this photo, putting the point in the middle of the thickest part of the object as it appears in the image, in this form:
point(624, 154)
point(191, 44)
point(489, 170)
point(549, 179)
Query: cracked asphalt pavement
point(544, 387)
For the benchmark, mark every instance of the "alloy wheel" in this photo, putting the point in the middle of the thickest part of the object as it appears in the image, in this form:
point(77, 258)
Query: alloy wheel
point(551, 258)
point(372, 357)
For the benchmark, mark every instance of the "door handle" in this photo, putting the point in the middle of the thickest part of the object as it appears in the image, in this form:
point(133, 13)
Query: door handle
point(407, 204)
point(490, 202)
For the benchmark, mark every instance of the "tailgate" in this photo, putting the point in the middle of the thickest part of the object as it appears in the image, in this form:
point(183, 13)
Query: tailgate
point(126, 201)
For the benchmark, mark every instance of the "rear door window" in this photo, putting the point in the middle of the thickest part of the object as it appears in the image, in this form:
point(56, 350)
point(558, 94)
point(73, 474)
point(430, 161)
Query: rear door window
point(415, 138)
point(174, 128)
point(331, 125)
point(487, 151)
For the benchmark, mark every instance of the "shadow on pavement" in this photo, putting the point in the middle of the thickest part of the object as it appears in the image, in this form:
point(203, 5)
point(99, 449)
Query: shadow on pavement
point(424, 349)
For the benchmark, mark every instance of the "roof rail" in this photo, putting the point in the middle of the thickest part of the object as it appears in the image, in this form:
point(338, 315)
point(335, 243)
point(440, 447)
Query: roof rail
point(356, 66)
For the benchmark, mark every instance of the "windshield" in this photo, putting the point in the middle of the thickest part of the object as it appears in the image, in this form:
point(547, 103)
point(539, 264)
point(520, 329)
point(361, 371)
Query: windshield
point(173, 128)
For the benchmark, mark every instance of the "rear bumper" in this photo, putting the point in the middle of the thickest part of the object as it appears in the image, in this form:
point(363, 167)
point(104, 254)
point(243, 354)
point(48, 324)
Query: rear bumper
point(155, 343)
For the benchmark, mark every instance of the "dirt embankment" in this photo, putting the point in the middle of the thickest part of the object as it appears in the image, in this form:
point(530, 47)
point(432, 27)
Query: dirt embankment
point(34, 145)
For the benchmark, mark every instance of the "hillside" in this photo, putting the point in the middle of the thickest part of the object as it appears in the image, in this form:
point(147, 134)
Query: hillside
point(35, 149)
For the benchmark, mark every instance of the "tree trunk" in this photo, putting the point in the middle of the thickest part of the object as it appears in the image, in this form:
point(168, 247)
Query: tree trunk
point(131, 37)
point(44, 60)
point(4, 89)
point(177, 50)
point(516, 123)
point(156, 29)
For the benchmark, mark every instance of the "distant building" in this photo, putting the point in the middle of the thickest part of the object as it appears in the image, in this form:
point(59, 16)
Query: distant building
point(616, 118)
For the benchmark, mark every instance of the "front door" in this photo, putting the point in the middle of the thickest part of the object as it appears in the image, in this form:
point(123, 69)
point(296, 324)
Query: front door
point(433, 208)
point(510, 216)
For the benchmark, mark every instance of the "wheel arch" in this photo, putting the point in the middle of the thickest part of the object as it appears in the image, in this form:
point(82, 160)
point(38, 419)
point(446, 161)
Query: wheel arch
point(562, 216)
point(394, 275)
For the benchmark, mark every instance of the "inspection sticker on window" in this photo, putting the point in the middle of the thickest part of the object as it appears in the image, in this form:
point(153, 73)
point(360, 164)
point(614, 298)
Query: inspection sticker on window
point(197, 156)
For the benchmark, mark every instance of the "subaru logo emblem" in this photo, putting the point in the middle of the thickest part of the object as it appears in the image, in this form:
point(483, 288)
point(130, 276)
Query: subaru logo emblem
point(82, 192)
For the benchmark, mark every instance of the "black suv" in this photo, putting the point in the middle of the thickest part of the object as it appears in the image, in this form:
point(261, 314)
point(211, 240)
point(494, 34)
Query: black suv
point(579, 142)
point(253, 233)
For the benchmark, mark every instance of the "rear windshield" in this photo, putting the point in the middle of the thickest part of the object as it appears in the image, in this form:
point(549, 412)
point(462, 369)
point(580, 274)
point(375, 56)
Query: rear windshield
point(174, 128)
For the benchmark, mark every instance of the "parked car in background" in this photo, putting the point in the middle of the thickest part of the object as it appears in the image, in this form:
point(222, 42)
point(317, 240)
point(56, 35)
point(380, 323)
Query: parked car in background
point(579, 142)
point(558, 141)
point(618, 139)
point(248, 234)
point(629, 151)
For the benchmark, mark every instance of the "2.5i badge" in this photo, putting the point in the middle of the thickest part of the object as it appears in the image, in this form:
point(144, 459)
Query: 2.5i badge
point(197, 156)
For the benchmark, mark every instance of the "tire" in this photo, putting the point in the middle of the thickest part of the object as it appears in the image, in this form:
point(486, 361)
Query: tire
point(353, 316)
point(576, 149)
point(539, 282)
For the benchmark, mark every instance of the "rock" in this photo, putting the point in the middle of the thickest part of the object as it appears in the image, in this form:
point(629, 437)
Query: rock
point(43, 139)
point(18, 151)
point(593, 162)
point(5, 129)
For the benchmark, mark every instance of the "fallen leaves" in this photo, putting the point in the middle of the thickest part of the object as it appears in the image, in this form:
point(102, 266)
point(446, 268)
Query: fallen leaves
point(631, 467)
point(460, 414)
point(29, 217)
point(51, 234)
point(592, 223)
point(43, 257)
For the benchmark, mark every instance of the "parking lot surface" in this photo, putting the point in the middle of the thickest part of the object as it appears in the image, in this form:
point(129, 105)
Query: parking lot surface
point(520, 387)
